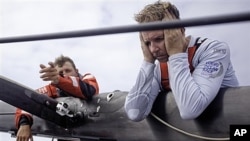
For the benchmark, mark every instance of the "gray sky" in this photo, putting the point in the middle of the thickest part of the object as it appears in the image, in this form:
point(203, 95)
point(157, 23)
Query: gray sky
point(113, 59)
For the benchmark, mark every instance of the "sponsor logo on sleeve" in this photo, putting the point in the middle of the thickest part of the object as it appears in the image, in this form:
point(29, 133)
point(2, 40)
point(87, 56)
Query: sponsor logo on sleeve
point(212, 69)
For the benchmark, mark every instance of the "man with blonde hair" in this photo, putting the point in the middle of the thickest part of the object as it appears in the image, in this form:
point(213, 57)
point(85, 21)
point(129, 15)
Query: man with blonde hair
point(193, 68)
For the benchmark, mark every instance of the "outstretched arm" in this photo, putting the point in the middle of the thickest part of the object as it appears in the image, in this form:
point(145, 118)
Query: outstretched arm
point(78, 86)
point(83, 87)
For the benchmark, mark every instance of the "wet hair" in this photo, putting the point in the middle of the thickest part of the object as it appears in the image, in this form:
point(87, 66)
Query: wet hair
point(156, 12)
point(60, 61)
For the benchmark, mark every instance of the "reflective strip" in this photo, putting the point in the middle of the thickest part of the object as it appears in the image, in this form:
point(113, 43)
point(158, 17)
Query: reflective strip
point(42, 90)
point(74, 81)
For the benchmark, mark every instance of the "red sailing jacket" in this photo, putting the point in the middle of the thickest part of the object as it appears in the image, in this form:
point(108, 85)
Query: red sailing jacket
point(164, 66)
point(83, 87)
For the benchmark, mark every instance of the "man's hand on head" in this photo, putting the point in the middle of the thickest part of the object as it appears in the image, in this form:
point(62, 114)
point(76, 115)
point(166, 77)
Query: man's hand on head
point(175, 41)
point(148, 57)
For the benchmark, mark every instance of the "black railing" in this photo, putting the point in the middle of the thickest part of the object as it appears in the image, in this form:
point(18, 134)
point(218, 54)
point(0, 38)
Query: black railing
point(240, 17)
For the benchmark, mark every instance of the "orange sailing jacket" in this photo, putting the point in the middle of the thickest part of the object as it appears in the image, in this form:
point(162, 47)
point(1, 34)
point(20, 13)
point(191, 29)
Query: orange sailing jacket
point(164, 66)
point(83, 87)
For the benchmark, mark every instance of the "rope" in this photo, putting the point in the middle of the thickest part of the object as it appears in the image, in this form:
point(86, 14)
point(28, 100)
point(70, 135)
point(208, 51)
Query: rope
point(186, 133)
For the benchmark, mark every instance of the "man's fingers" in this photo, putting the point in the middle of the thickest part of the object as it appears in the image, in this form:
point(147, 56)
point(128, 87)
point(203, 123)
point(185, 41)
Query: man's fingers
point(42, 66)
point(30, 138)
point(49, 74)
point(52, 65)
point(168, 16)
point(48, 69)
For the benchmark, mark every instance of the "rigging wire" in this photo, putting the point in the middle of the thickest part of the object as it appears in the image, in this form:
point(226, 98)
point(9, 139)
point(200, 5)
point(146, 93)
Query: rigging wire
point(239, 17)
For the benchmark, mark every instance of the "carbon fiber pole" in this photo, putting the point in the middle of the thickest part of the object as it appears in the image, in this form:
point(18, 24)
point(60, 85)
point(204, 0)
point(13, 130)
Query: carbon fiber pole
point(240, 17)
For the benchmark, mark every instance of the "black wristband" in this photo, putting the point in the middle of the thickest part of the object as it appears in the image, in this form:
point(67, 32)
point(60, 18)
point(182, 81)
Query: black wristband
point(24, 121)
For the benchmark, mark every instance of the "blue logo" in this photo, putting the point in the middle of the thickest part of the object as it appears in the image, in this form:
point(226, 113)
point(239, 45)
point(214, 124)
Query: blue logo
point(212, 69)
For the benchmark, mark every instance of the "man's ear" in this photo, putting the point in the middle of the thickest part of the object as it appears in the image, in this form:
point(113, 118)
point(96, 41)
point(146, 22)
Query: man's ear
point(77, 71)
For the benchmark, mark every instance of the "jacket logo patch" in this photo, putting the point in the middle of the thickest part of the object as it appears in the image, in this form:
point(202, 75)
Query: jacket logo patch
point(212, 69)
point(74, 81)
point(222, 51)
